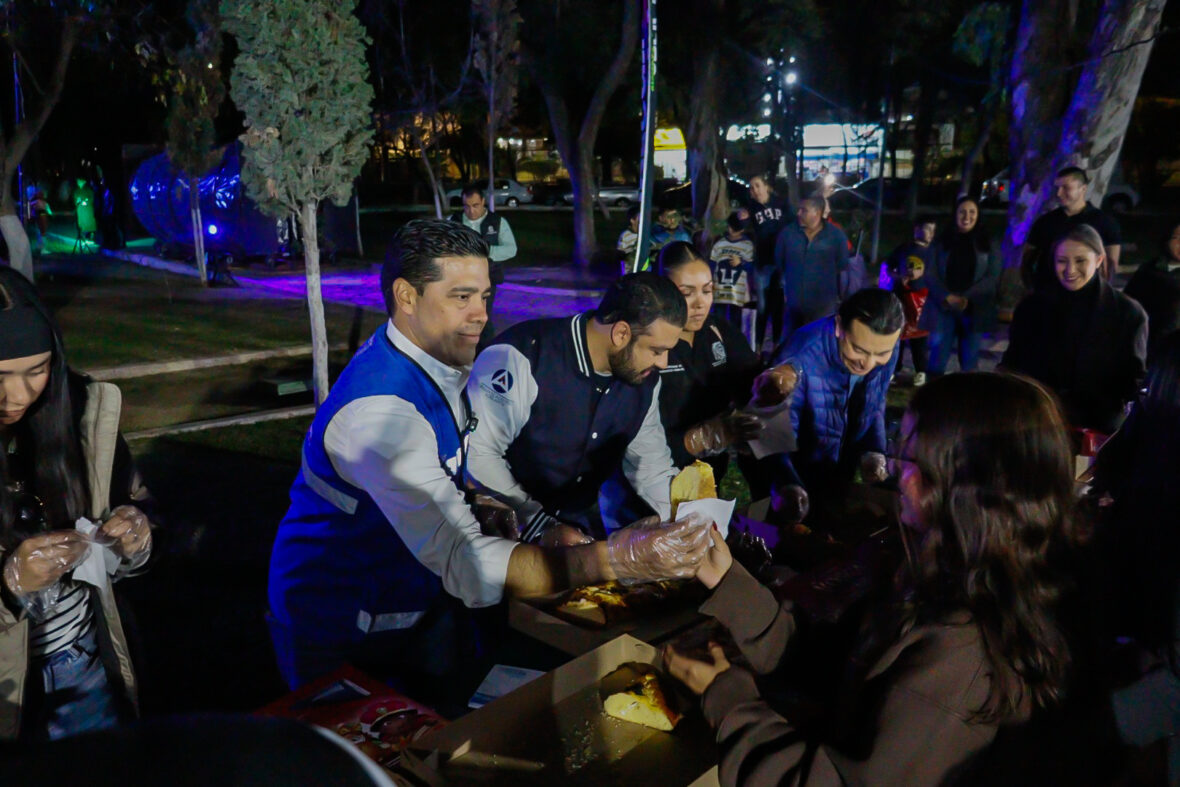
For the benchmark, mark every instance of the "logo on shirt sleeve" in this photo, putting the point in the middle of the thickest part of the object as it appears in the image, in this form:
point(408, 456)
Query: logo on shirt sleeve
point(502, 381)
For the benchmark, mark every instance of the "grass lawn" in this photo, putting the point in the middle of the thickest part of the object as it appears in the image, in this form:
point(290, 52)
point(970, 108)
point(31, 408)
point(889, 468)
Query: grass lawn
point(544, 237)
point(125, 316)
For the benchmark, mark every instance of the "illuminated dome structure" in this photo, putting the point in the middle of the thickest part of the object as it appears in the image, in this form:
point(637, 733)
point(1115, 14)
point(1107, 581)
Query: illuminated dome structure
point(233, 223)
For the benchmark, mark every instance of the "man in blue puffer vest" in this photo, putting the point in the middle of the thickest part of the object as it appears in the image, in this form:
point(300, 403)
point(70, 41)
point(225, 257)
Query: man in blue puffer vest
point(839, 369)
point(381, 551)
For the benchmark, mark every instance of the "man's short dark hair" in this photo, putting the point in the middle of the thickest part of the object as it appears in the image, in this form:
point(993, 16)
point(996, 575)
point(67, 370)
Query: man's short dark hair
point(878, 309)
point(639, 299)
point(416, 248)
point(922, 219)
point(472, 188)
point(736, 222)
point(632, 212)
point(816, 201)
point(1077, 173)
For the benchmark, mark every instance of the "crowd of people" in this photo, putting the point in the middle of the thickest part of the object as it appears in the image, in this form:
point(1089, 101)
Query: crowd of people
point(450, 469)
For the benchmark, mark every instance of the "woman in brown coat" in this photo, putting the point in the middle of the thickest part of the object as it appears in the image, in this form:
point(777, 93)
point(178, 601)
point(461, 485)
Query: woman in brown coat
point(972, 639)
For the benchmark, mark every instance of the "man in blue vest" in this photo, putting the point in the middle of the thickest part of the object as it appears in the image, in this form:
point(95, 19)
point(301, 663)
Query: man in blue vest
point(566, 403)
point(380, 552)
point(496, 232)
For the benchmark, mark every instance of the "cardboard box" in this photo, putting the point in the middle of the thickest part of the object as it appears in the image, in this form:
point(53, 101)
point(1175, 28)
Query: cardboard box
point(536, 618)
point(553, 731)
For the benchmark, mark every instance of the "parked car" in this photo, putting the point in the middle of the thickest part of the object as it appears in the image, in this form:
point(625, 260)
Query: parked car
point(551, 193)
point(508, 192)
point(619, 196)
point(1120, 195)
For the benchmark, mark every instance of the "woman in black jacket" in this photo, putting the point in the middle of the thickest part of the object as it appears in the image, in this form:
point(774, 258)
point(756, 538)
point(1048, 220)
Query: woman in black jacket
point(1082, 338)
point(710, 371)
point(1156, 285)
point(962, 276)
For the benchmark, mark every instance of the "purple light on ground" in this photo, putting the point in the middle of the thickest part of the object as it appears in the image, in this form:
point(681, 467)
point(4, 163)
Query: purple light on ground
point(363, 289)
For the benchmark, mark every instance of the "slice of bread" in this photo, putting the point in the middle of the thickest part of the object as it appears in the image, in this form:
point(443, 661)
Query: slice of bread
point(695, 482)
point(643, 703)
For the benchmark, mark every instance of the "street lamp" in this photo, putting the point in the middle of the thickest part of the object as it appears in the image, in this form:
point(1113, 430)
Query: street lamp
point(792, 77)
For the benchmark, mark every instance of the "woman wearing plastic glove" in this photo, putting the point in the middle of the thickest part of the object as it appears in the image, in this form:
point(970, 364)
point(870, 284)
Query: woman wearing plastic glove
point(973, 637)
point(709, 371)
point(62, 459)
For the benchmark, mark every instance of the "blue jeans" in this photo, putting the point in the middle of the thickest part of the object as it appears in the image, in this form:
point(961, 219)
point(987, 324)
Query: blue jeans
point(74, 696)
point(948, 330)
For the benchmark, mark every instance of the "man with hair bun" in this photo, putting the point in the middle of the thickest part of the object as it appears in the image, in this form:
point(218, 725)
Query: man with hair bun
point(565, 403)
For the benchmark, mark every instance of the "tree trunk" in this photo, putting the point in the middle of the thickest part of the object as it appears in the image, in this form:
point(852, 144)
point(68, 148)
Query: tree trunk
point(424, 153)
point(794, 188)
point(194, 208)
point(1039, 90)
point(975, 154)
point(703, 118)
point(577, 153)
point(491, 145)
point(20, 256)
point(13, 150)
point(923, 126)
point(315, 301)
point(1096, 122)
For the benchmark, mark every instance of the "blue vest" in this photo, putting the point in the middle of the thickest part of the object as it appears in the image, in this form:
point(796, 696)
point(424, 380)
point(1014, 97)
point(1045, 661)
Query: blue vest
point(581, 423)
point(339, 570)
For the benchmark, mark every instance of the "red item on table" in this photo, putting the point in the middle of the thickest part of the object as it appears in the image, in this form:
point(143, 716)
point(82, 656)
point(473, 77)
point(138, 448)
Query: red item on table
point(373, 717)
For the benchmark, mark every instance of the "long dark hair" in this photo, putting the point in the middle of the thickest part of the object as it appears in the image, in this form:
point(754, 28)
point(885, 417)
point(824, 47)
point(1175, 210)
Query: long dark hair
point(996, 470)
point(47, 436)
point(1141, 535)
point(976, 237)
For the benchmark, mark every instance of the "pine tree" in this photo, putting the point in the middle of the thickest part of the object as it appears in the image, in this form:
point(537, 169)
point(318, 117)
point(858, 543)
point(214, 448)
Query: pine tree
point(300, 78)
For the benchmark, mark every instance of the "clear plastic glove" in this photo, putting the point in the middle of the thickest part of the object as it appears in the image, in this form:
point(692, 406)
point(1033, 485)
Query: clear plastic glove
point(126, 531)
point(711, 437)
point(495, 518)
point(33, 570)
point(774, 385)
point(791, 503)
point(650, 550)
point(873, 468)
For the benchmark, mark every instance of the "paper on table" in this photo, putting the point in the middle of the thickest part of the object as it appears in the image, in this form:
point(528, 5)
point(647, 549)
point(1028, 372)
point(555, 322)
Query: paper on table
point(501, 679)
point(712, 509)
point(777, 435)
point(99, 561)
